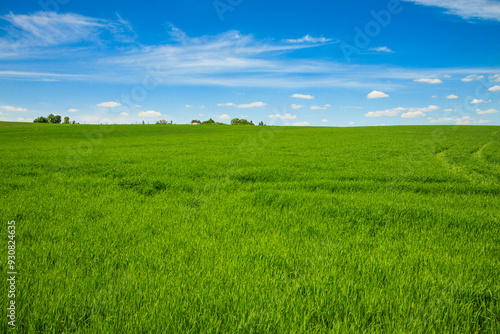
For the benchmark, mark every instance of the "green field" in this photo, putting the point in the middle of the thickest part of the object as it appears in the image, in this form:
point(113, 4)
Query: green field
point(229, 229)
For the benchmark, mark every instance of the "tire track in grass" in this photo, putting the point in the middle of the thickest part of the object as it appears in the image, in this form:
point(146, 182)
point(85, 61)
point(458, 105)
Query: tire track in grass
point(466, 171)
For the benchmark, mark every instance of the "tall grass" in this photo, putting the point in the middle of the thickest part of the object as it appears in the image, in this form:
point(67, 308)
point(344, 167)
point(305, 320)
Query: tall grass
point(182, 229)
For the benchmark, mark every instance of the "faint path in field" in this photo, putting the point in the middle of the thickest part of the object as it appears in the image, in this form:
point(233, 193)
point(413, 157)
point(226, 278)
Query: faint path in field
point(465, 170)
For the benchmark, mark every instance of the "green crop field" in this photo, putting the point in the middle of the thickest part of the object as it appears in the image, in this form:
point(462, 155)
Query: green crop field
point(229, 229)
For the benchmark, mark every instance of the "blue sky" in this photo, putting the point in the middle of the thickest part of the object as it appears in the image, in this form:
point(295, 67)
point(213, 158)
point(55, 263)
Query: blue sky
point(318, 63)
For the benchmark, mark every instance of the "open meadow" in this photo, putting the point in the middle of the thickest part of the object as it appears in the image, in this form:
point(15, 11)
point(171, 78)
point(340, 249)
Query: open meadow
point(252, 229)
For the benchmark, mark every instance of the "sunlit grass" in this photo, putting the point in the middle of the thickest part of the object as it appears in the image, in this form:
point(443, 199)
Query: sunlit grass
point(194, 229)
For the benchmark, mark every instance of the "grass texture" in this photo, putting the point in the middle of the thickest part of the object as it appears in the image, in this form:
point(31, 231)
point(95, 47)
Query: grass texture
point(235, 229)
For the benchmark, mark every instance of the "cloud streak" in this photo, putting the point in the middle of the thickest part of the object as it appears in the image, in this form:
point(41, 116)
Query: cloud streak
point(467, 9)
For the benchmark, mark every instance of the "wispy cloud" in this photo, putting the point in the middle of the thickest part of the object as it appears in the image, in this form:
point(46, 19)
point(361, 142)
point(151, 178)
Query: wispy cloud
point(386, 112)
point(326, 106)
point(452, 96)
point(309, 39)
point(467, 9)
point(382, 49)
point(28, 34)
point(472, 77)
point(377, 95)
point(228, 59)
point(303, 96)
point(410, 112)
point(297, 106)
point(464, 120)
point(429, 81)
point(248, 105)
point(110, 104)
point(301, 124)
point(10, 108)
point(285, 116)
point(484, 112)
point(225, 116)
point(72, 110)
point(252, 105)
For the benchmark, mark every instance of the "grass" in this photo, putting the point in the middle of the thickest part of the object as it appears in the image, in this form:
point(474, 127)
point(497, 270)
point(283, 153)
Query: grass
point(200, 229)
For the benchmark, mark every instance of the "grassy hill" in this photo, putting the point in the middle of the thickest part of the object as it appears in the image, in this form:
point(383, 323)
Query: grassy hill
point(188, 229)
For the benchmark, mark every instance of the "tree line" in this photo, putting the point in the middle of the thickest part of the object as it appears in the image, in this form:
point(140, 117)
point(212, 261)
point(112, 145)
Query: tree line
point(56, 119)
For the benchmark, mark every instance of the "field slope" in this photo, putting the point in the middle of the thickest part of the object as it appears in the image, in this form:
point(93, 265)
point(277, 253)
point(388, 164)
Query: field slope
point(225, 229)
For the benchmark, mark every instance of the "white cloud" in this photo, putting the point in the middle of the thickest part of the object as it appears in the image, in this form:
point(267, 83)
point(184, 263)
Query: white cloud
point(309, 39)
point(447, 76)
point(495, 89)
point(201, 115)
point(452, 96)
point(109, 104)
point(413, 114)
point(477, 101)
point(483, 121)
point(326, 106)
point(377, 95)
point(225, 116)
point(426, 109)
point(484, 112)
point(10, 108)
point(467, 9)
point(297, 106)
point(285, 116)
point(449, 110)
point(16, 119)
point(410, 112)
point(72, 110)
point(138, 106)
point(472, 77)
point(303, 96)
point(440, 120)
point(459, 121)
point(429, 81)
point(351, 123)
point(149, 113)
point(434, 96)
point(495, 78)
point(382, 49)
point(301, 124)
point(123, 113)
point(463, 120)
point(228, 104)
point(324, 120)
point(386, 112)
point(252, 105)
point(44, 29)
point(188, 106)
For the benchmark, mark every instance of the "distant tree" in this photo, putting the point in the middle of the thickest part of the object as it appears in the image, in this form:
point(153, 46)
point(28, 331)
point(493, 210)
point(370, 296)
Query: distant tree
point(261, 123)
point(195, 121)
point(66, 120)
point(41, 119)
point(56, 119)
point(237, 121)
point(162, 121)
point(73, 122)
point(143, 123)
point(210, 121)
